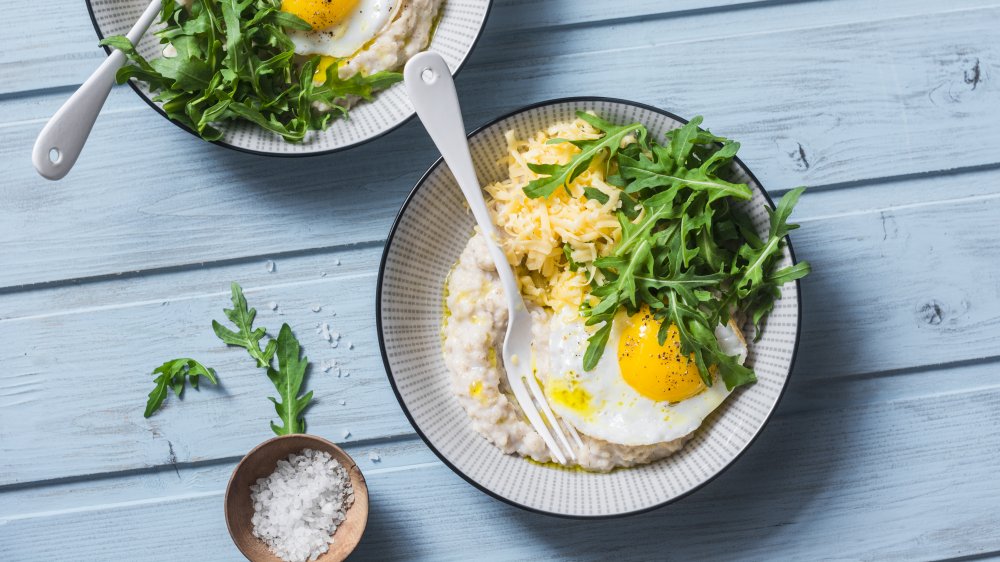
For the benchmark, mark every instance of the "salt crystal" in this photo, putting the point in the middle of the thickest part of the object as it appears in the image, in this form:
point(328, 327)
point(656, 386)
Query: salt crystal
point(350, 346)
point(343, 402)
point(270, 266)
point(272, 305)
point(298, 507)
point(374, 456)
point(316, 308)
point(346, 434)
point(322, 274)
point(335, 335)
point(336, 261)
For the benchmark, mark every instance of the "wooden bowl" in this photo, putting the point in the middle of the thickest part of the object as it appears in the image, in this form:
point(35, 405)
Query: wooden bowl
point(261, 462)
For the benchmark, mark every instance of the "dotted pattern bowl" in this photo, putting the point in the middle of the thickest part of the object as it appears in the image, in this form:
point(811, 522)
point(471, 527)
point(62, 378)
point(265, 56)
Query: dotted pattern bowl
point(429, 234)
point(457, 33)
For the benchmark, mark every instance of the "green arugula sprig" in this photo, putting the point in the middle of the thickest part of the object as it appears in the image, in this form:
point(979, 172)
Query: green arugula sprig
point(247, 336)
point(235, 61)
point(173, 375)
point(556, 176)
point(688, 253)
point(287, 378)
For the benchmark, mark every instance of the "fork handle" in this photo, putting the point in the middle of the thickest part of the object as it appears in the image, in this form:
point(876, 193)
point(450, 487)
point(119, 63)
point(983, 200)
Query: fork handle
point(59, 144)
point(432, 91)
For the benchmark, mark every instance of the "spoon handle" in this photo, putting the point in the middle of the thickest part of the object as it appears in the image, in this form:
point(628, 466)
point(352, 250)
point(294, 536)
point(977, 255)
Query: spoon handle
point(432, 91)
point(62, 139)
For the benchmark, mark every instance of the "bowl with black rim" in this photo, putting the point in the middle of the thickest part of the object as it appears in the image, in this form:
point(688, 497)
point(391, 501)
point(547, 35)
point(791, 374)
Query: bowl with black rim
point(429, 234)
point(456, 33)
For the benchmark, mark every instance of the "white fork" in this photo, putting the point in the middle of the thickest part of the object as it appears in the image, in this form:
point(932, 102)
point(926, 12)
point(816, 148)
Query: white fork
point(432, 91)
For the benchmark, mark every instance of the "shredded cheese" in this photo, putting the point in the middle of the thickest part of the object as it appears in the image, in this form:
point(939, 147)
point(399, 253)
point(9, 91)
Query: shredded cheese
point(535, 231)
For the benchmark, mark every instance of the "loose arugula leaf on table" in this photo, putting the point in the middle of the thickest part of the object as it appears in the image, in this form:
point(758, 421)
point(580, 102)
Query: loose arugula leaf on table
point(556, 176)
point(173, 375)
point(289, 375)
point(287, 379)
point(235, 61)
point(246, 337)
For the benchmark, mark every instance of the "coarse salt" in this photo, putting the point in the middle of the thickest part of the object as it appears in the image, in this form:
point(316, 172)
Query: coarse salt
point(270, 266)
point(298, 507)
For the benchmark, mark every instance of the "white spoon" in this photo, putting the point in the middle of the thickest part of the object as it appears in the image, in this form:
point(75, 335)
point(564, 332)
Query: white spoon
point(60, 142)
point(432, 91)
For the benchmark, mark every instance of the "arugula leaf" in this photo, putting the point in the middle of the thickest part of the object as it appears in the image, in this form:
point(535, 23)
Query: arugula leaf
point(758, 259)
point(172, 375)
point(557, 176)
point(287, 379)
point(246, 337)
point(688, 255)
point(235, 61)
point(596, 195)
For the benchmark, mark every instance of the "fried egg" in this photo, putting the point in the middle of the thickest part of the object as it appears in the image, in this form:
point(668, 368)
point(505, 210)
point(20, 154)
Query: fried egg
point(640, 392)
point(340, 28)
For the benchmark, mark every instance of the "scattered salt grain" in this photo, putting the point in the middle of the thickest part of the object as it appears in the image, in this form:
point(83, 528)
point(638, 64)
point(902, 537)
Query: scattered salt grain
point(322, 274)
point(350, 346)
point(272, 305)
point(374, 456)
point(298, 507)
point(316, 308)
point(343, 402)
point(270, 266)
point(346, 434)
point(336, 261)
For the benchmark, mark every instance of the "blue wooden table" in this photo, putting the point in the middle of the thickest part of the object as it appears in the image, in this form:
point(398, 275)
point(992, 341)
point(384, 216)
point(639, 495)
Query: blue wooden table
point(886, 445)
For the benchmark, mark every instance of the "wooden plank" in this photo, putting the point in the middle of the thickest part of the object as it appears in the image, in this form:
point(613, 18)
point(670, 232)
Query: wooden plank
point(850, 112)
point(182, 480)
point(893, 474)
point(869, 306)
point(30, 60)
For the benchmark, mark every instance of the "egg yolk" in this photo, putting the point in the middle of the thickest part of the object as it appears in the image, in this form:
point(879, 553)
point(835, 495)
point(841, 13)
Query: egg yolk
point(658, 372)
point(319, 77)
point(320, 14)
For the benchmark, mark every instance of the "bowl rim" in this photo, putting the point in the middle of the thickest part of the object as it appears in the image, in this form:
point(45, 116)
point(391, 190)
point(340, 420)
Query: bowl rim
point(399, 397)
point(135, 88)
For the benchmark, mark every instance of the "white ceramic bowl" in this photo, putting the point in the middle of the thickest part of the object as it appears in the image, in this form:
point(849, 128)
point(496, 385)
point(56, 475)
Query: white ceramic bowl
point(429, 234)
point(457, 33)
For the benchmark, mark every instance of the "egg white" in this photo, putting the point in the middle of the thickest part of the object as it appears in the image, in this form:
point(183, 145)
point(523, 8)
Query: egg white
point(616, 412)
point(348, 37)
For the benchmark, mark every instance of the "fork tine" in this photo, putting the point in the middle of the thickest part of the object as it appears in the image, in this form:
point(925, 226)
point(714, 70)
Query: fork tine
point(536, 391)
point(575, 435)
point(516, 382)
